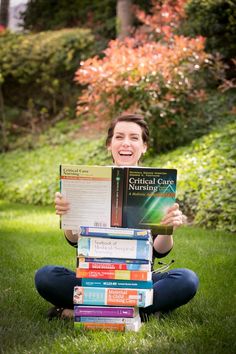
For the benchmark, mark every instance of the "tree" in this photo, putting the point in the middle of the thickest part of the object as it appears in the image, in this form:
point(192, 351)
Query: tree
point(215, 20)
point(124, 18)
point(4, 13)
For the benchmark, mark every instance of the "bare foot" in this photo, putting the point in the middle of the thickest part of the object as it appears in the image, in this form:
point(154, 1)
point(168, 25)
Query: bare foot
point(67, 313)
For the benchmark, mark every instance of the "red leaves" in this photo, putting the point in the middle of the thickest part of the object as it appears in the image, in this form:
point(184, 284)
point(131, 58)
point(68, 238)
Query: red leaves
point(140, 72)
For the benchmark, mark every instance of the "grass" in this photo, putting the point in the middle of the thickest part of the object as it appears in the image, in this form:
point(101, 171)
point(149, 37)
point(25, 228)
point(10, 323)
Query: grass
point(30, 238)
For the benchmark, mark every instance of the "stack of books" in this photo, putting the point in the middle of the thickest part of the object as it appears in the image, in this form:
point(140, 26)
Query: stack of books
point(114, 265)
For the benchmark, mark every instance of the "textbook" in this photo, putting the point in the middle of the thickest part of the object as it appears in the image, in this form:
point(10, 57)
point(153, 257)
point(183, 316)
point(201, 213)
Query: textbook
point(116, 232)
point(118, 327)
point(112, 260)
point(105, 311)
point(121, 327)
point(129, 197)
point(140, 275)
point(107, 319)
point(114, 266)
point(127, 284)
point(112, 296)
point(130, 324)
point(101, 247)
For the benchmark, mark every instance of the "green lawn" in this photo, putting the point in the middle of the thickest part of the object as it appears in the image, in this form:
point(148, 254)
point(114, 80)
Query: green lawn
point(30, 238)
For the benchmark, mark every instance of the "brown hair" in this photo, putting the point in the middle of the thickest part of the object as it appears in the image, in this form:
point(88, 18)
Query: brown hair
point(133, 118)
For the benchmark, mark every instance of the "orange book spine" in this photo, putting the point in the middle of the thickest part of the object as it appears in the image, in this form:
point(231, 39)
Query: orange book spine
point(113, 274)
point(108, 326)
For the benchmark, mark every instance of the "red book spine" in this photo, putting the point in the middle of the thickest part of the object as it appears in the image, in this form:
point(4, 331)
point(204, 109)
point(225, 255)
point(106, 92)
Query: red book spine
point(113, 274)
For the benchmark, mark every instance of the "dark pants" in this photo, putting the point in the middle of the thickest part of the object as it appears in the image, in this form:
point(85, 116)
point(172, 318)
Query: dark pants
point(171, 289)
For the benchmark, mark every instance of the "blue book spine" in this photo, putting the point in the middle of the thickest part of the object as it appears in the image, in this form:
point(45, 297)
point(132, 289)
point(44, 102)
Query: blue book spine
point(116, 233)
point(131, 284)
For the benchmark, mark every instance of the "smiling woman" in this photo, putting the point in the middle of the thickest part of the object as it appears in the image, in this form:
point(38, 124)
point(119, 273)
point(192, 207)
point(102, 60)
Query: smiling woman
point(127, 140)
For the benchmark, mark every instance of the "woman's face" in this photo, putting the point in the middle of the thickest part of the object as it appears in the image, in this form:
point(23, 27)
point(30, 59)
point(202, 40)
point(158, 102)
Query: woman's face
point(127, 144)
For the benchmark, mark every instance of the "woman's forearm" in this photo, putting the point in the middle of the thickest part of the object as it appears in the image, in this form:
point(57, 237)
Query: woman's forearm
point(163, 243)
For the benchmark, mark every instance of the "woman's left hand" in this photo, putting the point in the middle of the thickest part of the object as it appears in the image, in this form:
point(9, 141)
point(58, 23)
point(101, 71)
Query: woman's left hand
point(174, 217)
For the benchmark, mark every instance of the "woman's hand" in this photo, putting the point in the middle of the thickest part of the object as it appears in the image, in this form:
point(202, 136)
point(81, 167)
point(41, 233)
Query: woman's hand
point(174, 217)
point(61, 204)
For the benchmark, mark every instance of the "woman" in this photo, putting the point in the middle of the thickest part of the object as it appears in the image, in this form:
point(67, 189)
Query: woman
point(127, 140)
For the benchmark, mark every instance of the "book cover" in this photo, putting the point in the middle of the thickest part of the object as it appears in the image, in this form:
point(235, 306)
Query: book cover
point(112, 296)
point(147, 195)
point(88, 189)
point(116, 232)
point(114, 266)
point(130, 284)
point(101, 247)
point(114, 274)
point(105, 311)
point(129, 197)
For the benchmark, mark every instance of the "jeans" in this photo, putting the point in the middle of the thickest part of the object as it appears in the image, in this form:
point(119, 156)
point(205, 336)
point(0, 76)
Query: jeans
point(171, 289)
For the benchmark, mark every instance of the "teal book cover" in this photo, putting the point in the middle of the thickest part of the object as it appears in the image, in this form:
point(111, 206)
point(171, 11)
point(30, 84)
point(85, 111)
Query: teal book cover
point(148, 193)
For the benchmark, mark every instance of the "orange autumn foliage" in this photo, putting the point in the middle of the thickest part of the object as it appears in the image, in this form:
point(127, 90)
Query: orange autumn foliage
point(143, 73)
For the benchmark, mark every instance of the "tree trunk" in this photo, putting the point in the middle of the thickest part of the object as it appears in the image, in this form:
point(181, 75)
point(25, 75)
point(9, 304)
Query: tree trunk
point(4, 12)
point(3, 129)
point(124, 18)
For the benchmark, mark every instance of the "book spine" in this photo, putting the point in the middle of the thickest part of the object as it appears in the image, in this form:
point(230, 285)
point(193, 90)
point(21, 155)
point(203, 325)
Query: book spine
point(112, 296)
point(113, 260)
point(117, 196)
point(138, 234)
point(95, 326)
point(100, 247)
point(117, 283)
point(104, 311)
point(106, 319)
point(126, 237)
point(113, 274)
point(114, 266)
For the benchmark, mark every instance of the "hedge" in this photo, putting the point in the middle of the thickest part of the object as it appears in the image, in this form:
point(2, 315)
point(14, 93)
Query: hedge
point(206, 174)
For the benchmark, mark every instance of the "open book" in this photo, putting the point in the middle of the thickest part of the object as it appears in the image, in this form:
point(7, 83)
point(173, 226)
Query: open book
point(104, 196)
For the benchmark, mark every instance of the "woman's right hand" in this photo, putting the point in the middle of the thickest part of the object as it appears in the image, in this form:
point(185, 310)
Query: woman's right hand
point(61, 204)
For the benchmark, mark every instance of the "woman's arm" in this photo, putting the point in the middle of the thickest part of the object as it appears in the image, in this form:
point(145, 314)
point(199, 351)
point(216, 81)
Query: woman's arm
point(175, 218)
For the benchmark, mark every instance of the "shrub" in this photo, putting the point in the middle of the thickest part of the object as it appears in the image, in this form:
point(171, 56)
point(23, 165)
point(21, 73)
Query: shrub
point(215, 20)
point(206, 178)
point(36, 71)
point(206, 174)
point(161, 79)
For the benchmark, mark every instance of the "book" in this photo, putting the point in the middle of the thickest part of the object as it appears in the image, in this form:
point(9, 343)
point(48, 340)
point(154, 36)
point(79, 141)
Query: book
point(129, 197)
point(114, 266)
point(116, 232)
point(105, 311)
point(130, 284)
point(131, 324)
point(140, 275)
point(120, 327)
point(112, 260)
point(112, 296)
point(101, 247)
point(97, 319)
